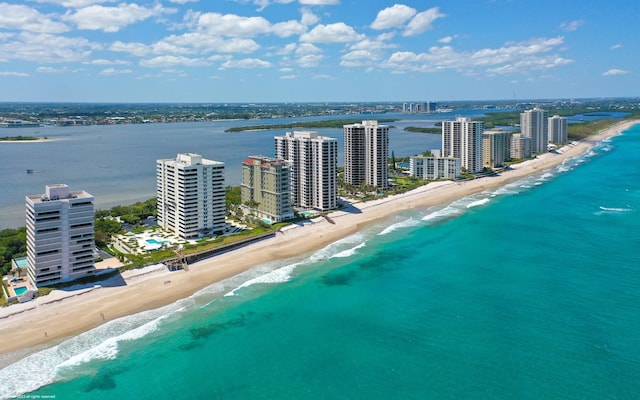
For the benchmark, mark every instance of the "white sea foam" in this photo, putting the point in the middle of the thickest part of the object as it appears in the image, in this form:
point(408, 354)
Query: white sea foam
point(349, 252)
point(279, 275)
point(478, 203)
point(615, 209)
point(407, 223)
point(446, 212)
point(72, 355)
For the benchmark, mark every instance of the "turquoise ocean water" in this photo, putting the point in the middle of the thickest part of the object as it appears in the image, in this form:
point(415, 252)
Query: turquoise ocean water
point(530, 291)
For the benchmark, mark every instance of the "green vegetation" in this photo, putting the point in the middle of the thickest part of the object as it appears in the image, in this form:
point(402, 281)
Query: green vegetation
point(106, 227)
point(422, 129)
point(13, 244)
point(17, 138)
point(583, 130)
point(335, 123)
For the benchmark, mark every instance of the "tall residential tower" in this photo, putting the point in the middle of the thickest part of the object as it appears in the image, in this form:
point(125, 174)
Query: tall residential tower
point(60, 235)
point(314, 163)
point(462, 139)
point(558, 127)
point(534, 124)
point(366, 154)
point(191, 196)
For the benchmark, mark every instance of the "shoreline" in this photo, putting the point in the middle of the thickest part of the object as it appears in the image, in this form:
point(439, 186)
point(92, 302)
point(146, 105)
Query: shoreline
point(48, 321)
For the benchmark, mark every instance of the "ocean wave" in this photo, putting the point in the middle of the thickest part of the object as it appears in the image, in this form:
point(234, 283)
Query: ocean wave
point(407, 223)
point(615, 209)
point(446, 212)
point(72, 355)
point(478, 203)
point(279, 275)
point(349, 252)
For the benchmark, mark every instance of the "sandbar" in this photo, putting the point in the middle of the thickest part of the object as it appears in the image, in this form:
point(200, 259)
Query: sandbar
point(48, 321)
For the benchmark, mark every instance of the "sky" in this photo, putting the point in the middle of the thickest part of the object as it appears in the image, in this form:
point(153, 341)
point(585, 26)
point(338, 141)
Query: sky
point(229, 51)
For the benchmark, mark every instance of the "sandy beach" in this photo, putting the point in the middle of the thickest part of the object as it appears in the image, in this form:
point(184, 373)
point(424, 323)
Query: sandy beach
point(48, 320)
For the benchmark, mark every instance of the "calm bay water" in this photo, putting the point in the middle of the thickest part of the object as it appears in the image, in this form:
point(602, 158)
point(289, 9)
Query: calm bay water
point(530, 291)
point(117, 163)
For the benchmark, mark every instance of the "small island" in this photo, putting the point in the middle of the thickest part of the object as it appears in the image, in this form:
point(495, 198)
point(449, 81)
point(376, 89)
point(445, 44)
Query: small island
point(19, 138)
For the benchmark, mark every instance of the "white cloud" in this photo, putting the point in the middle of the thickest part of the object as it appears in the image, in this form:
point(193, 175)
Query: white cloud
point(309, 60)
point(285, 77)
point(616, 46)
point(288, 28)
point(75, 3)
point(170, 61)
point(446, 39)
point(11, 73)
point(308, 17)
point(359, 58)
point(319, 2)
point(52, 70)
point(393, 17)
point(136, 49)
point(246, 63)
point(613, 72)
point(571, 26)
point(183, 1)
point(113, 71)
point(46, 48)
point(112, 19)
point(332, 33)
point(102, 61)
point(230, 24)
point(286, 69)
point(198, 42)
point(20, 17)
point(511, 58)
point(422, 22)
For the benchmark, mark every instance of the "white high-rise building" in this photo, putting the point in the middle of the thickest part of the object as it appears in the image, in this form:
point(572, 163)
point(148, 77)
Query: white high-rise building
point(191, 196)
point(314, 164)
point(558, 127)
point(534, 124)
point(462, 139)
point(494, 148)
point(60, 235)
point(366, 154)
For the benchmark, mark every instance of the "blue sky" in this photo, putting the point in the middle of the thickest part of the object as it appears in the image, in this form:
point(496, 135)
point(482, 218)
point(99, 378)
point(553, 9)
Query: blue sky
point(317, 50)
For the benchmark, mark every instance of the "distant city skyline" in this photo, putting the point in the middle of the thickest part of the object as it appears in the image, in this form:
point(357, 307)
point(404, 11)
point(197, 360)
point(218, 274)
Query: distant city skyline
point(316, 50)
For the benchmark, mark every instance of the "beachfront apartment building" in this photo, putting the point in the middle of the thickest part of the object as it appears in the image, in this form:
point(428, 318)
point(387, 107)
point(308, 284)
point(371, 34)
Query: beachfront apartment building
point(520, 146)
point(366, 154)
point(558, 130)
point(432, 168)
point(534, 124)
point(494, 148)
point(191, 196)
point(60, 235)
point(314, 164)
point(266, 188)
point(462, 139)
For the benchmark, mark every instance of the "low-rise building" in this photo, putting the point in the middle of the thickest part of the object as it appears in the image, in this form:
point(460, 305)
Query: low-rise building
point(432, 168)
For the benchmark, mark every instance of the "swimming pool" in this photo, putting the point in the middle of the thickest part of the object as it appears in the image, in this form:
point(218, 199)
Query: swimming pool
point(153, 241)
point(20, 290)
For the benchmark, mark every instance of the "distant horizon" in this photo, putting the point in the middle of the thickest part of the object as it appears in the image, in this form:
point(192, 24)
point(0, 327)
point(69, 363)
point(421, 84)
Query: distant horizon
point(330, 102)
